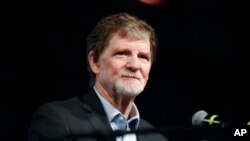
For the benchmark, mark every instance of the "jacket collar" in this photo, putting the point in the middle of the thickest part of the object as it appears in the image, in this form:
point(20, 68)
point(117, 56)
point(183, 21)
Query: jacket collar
point(92, 103)
point(97, 115)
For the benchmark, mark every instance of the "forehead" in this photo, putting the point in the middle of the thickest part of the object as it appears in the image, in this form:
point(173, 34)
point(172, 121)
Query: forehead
point(128, 42)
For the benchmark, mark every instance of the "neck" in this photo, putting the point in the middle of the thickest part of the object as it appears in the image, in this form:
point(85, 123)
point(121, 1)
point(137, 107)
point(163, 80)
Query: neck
point(121, 102)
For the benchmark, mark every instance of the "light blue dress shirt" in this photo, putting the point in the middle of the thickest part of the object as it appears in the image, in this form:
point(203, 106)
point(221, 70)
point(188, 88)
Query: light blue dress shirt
point(118, 121)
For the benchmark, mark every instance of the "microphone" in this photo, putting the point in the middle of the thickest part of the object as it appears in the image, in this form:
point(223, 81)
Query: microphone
point(202, 118)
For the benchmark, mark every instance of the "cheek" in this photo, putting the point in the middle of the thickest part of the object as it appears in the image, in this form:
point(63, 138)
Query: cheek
point(145, 72)
point(117, 70)
point(112, 69)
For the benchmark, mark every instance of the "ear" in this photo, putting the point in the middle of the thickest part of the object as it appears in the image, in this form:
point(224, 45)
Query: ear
point(93, 63)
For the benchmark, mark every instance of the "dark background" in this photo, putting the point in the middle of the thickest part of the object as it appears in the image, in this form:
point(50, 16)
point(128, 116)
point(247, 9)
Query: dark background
point(201, 64)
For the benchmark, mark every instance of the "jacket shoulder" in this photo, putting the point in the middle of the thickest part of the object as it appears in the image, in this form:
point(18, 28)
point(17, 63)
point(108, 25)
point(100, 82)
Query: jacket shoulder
point(149, 132)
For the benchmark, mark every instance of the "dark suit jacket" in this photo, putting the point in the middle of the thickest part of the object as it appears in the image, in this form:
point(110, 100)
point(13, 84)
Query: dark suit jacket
point(78, 119)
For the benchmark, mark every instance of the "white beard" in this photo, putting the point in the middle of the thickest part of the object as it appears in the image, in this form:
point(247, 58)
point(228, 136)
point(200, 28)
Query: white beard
point(129, 87)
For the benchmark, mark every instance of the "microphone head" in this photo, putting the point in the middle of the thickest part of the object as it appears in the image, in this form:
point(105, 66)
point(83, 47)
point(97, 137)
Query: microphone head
point(198, 118)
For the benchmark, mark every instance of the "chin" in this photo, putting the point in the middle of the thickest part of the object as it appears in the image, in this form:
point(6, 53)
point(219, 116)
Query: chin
point(131, 91)
point(131, 94)
point(130, 88)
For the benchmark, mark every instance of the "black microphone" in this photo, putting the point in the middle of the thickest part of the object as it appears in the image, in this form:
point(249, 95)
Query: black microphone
point(202, 118)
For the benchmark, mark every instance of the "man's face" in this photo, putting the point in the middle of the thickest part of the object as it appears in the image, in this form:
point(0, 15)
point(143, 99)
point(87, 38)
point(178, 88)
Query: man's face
point(124, 65)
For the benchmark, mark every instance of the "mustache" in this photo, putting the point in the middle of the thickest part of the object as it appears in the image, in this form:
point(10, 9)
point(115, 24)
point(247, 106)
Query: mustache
point(131, 74)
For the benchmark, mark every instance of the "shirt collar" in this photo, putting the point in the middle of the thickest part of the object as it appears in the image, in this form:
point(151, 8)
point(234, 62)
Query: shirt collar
point(111, 111)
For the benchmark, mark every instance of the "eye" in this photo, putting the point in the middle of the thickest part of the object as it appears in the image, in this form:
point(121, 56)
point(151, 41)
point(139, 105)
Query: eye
point(144, 57)
point(121, 53)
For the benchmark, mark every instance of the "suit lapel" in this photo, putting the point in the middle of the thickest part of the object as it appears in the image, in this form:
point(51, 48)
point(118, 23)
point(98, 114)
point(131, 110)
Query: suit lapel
point(97, 115)
point(143, 125)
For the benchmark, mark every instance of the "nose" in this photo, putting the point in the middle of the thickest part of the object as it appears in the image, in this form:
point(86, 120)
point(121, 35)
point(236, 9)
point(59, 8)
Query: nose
point(133, 63)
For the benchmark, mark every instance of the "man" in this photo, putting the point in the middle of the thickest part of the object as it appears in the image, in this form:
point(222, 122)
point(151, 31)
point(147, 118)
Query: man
point(120, 52)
